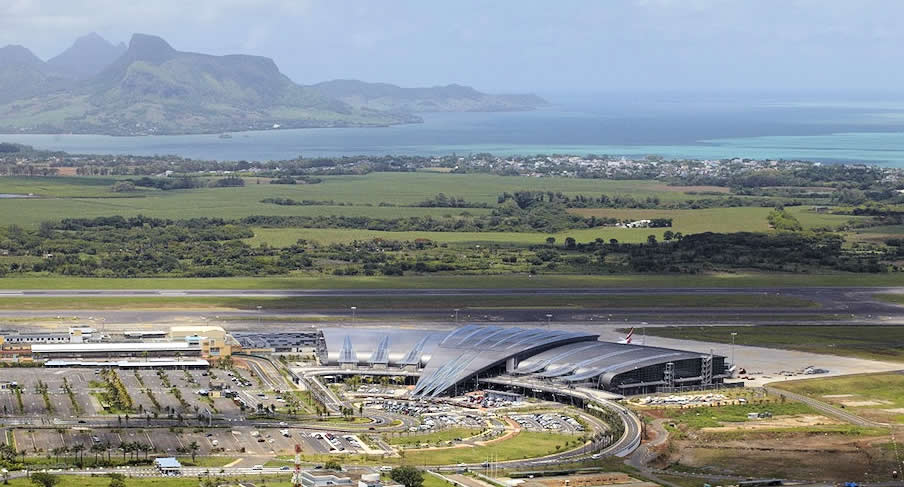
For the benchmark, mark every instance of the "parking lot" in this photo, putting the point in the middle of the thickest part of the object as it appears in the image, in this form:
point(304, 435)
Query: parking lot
point(176, 441)
point(548, 422)
point(151, 392)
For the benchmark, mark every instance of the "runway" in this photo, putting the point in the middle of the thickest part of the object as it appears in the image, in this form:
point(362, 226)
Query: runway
point(833, 305)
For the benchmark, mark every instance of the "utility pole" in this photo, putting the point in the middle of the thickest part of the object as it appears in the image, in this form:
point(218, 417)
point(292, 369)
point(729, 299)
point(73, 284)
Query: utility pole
point(354, 313)
point(456, 314)
point(548, 320)
point(259, 319)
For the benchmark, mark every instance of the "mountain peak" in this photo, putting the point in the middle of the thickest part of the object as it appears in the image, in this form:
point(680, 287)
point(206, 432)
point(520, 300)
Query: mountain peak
point(151, 48)
point(20, 55)
point(86, 57)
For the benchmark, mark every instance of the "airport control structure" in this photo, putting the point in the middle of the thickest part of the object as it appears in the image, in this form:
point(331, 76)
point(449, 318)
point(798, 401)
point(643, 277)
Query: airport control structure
point(450, 362)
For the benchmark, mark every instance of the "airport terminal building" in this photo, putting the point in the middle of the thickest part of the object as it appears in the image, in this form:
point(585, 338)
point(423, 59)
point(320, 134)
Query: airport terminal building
point(449, 362)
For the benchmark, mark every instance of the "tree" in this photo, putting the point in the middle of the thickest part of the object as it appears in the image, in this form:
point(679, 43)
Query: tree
point(193, 446)
point(42, 479)
point(550, 241)
point(407, 476)
point(332, 465)
point(570, 242)
point(117, 480)
point(124, 187)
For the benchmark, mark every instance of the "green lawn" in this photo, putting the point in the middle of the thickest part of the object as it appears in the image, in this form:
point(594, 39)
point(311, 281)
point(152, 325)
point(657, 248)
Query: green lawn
point(524, 445)
point(431, 438)
point(864, 341)
point(875, 396)
point(410, 302)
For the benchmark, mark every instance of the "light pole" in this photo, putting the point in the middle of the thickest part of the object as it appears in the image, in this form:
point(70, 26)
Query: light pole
point(259, 319)
point(354, 310)
point(733, 335)
point(548, 320)
point(456, 314)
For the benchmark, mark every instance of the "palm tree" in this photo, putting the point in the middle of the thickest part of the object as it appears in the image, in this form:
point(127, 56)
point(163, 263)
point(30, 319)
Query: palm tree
point(193, 446)
point(77, 449)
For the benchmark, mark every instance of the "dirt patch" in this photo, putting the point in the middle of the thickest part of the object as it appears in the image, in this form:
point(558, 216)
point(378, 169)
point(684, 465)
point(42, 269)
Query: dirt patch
point(796, 421)
point(803, 457)
point(864, 403)
point(837, 396)
point(895, 411)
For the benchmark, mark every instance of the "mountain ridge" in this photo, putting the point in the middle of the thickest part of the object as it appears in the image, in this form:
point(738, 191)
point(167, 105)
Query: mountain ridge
point(152, 88)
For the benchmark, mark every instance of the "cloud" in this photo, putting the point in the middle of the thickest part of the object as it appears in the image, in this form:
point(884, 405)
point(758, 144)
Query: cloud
point(521, 44)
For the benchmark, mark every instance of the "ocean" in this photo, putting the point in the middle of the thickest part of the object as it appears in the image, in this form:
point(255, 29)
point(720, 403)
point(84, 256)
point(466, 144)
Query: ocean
point(811, 127)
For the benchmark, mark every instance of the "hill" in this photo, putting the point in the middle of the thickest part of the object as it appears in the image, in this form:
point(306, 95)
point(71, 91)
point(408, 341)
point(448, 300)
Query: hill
point(87, 57)
point(154, 89)
point(450, 98)
point(23, 75)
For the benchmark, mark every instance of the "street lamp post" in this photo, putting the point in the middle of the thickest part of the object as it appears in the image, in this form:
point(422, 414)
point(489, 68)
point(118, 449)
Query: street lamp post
point(733, 335)
point(548, 320)
point(354, 313)
point(259, 319)
point(456, 314)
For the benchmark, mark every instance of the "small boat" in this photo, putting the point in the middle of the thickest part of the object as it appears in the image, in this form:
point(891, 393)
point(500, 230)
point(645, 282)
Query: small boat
point(225, 136)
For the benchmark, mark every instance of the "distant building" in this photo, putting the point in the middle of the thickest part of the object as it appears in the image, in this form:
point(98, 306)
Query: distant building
point(373, 480)
point(168, 465)
point(308, 479)
point(212, 340)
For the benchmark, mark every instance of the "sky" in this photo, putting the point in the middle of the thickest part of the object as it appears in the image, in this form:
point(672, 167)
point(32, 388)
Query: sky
point(565, 46)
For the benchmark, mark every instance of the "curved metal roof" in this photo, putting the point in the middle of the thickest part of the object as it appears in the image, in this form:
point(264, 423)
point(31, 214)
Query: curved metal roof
point(472, 349)
point(452, 357)
point(391, 346)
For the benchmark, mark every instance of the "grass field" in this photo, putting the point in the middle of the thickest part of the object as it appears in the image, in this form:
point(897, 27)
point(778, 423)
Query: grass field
point(810, 219)
point(890, 298)
point(431, 438)
point(685, 221)
point(104, 481)
point(738, 280)
point(409, 302)
point(524, 445)
point(875, 396)
point(745, 219)
point(64, 197)
point(709, 417)
point(864, 341)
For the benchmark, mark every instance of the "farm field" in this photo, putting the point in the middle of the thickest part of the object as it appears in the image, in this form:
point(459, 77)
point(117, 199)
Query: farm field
point(874, 396)
point(863, 341)
point(404, 302)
